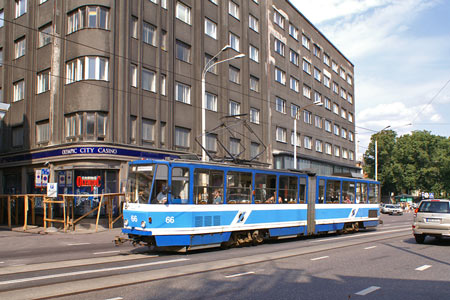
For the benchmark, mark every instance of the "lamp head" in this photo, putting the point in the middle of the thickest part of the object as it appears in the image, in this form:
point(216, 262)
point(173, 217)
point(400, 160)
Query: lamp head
point(240, 55)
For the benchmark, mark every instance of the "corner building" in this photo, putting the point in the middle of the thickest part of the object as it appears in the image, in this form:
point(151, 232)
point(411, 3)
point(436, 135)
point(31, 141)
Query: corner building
point(95, 84)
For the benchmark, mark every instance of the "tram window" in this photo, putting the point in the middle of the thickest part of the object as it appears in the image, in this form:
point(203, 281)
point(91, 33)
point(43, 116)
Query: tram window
point(287, 190)
point(265, 188)
point(180, 185)
point(361, 192)
point(333, 191)
point(302, 190)
point(348, 192)
point(208, 186)
point(373, 193)
point(239, 187)
point(139, 183)
point(161, 181)
point(321, 196)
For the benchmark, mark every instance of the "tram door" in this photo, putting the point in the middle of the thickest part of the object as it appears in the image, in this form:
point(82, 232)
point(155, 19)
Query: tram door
point(311, 221)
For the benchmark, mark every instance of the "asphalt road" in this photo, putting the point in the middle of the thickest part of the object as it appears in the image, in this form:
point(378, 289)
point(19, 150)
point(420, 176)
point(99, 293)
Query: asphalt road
point(377, 264)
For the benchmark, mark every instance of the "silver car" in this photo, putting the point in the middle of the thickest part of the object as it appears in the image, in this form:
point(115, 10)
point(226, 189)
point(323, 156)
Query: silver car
point(431, 218)
point(392, 209)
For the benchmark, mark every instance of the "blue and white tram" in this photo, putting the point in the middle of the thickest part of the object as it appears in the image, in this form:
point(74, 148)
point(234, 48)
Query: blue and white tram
point(190, 203)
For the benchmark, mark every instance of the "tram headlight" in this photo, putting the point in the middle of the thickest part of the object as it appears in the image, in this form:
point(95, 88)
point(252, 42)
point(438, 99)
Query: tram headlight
point(143, 224)
point(125, 222)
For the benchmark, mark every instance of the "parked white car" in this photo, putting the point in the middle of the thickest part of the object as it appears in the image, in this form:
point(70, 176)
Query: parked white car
point(392, 209)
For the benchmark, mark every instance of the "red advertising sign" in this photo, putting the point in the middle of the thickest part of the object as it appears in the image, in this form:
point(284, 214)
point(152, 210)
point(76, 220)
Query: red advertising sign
point(92, 181)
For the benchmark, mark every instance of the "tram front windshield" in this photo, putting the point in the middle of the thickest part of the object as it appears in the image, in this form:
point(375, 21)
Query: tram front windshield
point(139, 183)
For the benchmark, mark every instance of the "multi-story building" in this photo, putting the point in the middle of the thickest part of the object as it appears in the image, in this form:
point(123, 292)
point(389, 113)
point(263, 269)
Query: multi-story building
point(94, 84)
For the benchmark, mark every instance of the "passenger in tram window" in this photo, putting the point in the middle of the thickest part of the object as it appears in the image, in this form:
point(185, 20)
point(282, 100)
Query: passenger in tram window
point(217, 197)
point(272, 199)
point(347, 199)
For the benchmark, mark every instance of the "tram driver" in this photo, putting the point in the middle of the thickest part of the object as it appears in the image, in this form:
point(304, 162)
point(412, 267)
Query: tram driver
point(162, 190)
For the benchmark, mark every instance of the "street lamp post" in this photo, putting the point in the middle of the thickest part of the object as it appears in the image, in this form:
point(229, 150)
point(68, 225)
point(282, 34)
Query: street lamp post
point(376, 151)
point(207, 67)
point(318, 103)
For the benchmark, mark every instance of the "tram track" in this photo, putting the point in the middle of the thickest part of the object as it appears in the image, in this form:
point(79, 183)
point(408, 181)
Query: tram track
point(73, 286)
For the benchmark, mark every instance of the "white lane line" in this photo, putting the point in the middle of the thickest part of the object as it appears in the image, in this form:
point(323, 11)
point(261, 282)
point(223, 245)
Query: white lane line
point(91, 271)
point(106, 252)
point(371, 247)
point(240, 274)
point(422, 268)
point(117, 298)
point(368, 290)
point(78, 244)
point(363, 235)
point(318, 258)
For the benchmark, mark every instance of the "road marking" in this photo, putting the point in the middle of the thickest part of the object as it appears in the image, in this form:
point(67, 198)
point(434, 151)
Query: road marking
point(117, 298)
point(368, 290)
point(91, 271)
point(78, 244)
point(106, 252)
point(240, 274)
point(362, 235)
point(422, 268)
point(371, 247)
point(317, 258)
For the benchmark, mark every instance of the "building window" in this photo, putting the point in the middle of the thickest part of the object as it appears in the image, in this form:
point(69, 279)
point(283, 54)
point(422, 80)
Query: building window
point(305, 41)
point(326, 59)
point(74, 125)
point(87, 68)
point(19, 47)
point(343, 113)
point(45, 33)
point(233, 9)
point(294, 111)
point(133, 129)
point(234, 108)
point(254, 53)
point(336, 129)
point(163, 85)
point(42, 132)
point(351, 155)
point(210, 28)
point(336, 108)
point(211, 101)
point(319, 146)
point(328, 148)
point(280, 135)
point(307, 117)
point(351, 136)
point(164, 4)
point(235, 146)
point(134, 27)
point(253, 23)
point(293, 31)
point(254, 115)
point(101, 125)
point(334, 66)
point(349, 79)
point(307, 91)
point(133, 75)
point(234, 42)
point(294, 84)
point(307, 142)
point(278, 19)
point(214, 2)
point(234, 74)
point(182, 137)
point(317, 74)
point(96, 122)
point(280, 105)
point(350, 98)
point(182, 93)
point(280, 76)
point(317, 97)
point(211, 142)
point(254, 83)
point(343, 94)
point(318, 122)
point(183, 51)
point(19, 90)
point(298, 141)
point(149, 34)
point(337, 151)
point(307, 67)
point(327, 103)
point(209, 61)
point(335, 88)
point(327, 126)
point(148, 130)
point(344, 133)
point(316, 50)
point(162, 135)
point(326, 81)
point(88, 17)
point(17, 136)
point(279, 47)
point(183, 13)
point(2, 17)
point(163, 40)
point(148, 80)
point(342, 73)
point(21, 7)
point(350, 117)
point(254, 150)
point(43, 81)
point(293, 57)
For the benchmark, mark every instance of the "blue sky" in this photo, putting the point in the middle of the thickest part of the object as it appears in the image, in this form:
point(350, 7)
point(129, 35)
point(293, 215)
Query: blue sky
point(401, 53)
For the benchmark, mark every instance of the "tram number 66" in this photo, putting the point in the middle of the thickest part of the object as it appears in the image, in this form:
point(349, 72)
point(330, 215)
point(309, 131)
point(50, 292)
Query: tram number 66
point(170, 220)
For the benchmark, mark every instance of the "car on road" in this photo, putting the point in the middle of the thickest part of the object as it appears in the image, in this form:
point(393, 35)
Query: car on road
point(392, 209)
point(431, 218)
